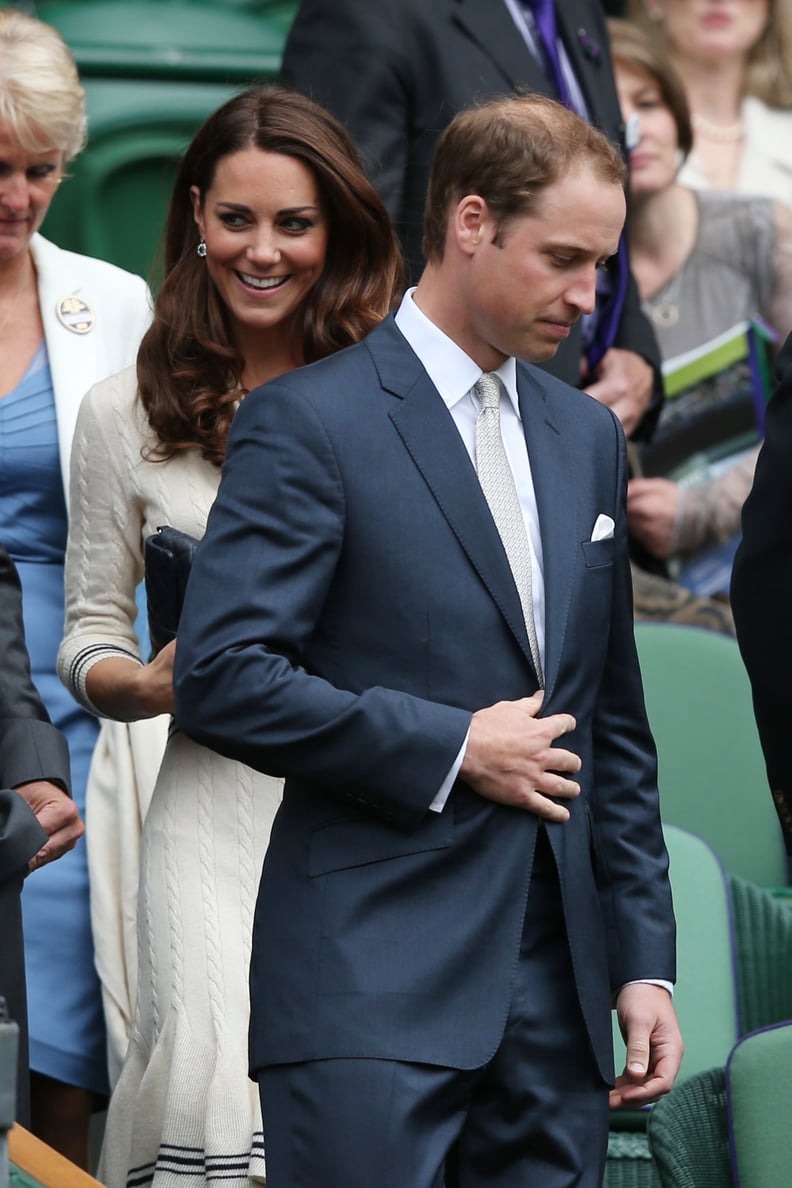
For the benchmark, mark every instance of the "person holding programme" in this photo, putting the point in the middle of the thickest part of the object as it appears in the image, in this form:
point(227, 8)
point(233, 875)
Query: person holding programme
point(762, 588)
point(38, 820)
point(735, 60)
point(704, 262)
point(430, 634)
point(277, 251)
point(414, 65)
point(66, 321)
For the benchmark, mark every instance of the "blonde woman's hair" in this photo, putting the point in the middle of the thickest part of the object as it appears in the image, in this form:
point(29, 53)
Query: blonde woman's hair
point(768, 71)
point(42, 103)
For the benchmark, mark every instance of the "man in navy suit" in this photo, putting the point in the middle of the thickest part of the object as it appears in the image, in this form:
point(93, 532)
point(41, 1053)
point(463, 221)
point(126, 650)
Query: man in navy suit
point(468, 867)
point(38, 819)
point(397, 73)
point(761, 591)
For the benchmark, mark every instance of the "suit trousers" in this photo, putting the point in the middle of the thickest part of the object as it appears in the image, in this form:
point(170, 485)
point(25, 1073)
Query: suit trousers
point(534, 1116)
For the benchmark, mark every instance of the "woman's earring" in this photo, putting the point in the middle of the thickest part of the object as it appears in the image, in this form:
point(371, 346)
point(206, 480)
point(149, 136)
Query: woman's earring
point(201, 249)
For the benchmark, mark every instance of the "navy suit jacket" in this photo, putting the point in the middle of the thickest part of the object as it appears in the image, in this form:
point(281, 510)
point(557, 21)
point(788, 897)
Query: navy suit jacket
point(761, 591)
point(396, 74)
point(30, 749)
point(349, 609)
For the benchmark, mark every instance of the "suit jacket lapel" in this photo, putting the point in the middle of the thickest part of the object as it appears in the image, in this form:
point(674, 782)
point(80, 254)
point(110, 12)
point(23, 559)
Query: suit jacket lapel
point(586, 45)
point(490, 24)
point(554, 486)
point(428, 432)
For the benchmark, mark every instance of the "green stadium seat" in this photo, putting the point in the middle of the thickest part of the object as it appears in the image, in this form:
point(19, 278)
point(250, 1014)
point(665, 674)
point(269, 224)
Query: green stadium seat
point(711, 769)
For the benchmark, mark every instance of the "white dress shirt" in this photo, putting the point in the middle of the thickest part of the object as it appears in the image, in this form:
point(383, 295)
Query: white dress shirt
point(454, 374)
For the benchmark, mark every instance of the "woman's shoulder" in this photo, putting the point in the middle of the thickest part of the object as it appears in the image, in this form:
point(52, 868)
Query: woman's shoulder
point(767, 157)
point(112, 404)
point(758, 116)
point(735, 226)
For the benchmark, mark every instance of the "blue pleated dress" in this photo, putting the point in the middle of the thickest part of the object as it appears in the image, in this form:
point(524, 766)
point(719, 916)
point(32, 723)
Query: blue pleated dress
point(67, 1038)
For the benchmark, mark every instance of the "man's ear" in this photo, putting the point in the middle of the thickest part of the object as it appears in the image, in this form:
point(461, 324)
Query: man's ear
point(471, 223)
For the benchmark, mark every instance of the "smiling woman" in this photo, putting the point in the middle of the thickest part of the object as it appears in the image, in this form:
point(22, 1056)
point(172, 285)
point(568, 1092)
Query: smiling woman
point(277, 251)
point(265, 235)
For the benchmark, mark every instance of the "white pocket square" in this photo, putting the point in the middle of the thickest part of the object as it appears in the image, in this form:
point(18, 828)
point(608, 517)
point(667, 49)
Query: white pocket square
point(603, 528)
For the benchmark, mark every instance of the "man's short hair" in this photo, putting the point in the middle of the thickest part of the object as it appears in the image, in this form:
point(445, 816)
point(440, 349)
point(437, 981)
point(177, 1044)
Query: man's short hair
point(507, 151)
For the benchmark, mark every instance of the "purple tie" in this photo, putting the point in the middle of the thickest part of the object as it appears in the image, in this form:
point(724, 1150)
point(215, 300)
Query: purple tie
point(545, 21)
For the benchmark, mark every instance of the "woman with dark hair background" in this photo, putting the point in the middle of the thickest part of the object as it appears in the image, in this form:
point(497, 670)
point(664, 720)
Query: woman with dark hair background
point(278, 251)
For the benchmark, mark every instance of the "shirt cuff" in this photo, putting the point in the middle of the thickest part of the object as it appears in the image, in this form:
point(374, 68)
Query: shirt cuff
point(669, 986)
point(438, 804)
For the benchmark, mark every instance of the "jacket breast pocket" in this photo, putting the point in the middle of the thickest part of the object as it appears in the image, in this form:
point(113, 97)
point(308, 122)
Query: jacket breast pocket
point(598, 553)
point(342, 845)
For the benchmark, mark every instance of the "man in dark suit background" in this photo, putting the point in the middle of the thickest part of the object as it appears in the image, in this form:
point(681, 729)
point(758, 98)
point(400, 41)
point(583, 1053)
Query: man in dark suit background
point(396, 73)
point(450, 901)
point(38, 819)
point(761, 592)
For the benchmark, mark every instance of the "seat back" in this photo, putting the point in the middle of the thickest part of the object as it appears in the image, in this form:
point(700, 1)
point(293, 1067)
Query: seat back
point(711, 769)
point(759, 1105)
point(706, 994)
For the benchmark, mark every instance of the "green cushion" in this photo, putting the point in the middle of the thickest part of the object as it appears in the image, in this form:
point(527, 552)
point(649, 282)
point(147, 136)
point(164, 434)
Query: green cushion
point(711, 769)
point(759, 1099)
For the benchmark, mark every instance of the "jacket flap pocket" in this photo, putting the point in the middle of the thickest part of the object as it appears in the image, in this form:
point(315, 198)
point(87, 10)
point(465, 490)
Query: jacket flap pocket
point(598, 552)
point(344, 844)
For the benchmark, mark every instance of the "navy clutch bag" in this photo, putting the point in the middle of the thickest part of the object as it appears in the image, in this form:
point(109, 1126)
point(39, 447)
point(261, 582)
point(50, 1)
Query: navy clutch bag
point(167, 557)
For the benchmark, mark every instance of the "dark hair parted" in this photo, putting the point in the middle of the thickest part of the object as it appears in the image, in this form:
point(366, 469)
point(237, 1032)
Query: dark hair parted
point(631, 46)
point(189, 368)
point(507, 151)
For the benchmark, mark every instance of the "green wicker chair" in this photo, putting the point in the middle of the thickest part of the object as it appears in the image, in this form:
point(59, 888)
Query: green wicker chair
point(688, 1134)
point(763, 945)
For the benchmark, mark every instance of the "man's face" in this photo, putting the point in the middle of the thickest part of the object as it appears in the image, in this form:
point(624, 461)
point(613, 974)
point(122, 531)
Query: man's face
point(523, 294)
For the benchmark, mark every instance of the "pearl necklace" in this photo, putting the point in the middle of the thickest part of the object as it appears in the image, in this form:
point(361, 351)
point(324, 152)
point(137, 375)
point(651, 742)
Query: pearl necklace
point(725, 133)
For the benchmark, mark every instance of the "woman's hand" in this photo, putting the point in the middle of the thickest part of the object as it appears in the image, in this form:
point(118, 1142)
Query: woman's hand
point(652, 510)
point(124, 690)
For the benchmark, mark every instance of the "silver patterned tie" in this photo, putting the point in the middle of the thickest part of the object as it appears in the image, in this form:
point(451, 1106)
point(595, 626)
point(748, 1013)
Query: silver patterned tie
point(500, 491)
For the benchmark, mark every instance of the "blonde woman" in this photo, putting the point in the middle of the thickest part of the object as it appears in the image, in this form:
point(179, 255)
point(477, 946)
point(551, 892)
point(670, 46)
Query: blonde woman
point(735, 60)
point(66, 321)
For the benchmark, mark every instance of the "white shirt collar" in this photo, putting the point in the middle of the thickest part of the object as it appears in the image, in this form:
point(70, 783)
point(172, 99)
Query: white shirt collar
point(451, 371)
